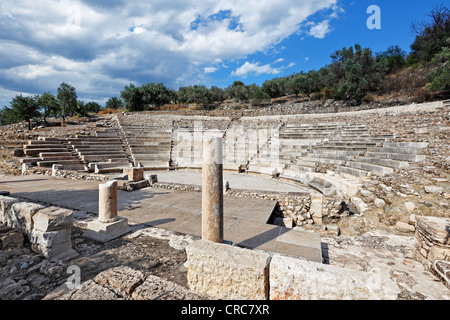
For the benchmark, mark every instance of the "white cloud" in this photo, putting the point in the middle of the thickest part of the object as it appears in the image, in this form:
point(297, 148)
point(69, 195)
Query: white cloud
point(101, 46)
point(254, 68)
point(320, 30)
point(210, 69)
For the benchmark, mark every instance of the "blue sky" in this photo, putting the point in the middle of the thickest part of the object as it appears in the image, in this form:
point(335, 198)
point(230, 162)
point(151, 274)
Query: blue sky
point(99, 47)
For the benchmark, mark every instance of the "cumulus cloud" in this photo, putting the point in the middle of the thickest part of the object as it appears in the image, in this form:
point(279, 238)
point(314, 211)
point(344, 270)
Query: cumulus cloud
point(101, 46)
point(210, 69)
point(320, 30)
point(252, 68)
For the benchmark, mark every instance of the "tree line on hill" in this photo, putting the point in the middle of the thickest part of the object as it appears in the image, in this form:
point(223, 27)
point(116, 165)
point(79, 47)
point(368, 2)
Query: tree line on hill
point(353, 75)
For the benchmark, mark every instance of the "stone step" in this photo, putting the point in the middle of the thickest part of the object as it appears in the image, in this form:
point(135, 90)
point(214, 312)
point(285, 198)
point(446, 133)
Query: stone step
point(304, 168)
point(370, 167)
point(359, 173)
point(153, 164)
point(63, 162)
point(90, 153)
point(384, 162)
point(44, 142)
point(58, 158)
point(94, 143)
point(48, 139)
point(398, 150)
point(396, 156)
point(55, 154)
point(102, 157)
point(42, 146)
point(30, 152)
point(412, 145)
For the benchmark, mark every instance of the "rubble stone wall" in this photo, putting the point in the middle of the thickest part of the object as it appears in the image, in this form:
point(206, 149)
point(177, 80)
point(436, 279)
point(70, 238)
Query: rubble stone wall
point(48, 229)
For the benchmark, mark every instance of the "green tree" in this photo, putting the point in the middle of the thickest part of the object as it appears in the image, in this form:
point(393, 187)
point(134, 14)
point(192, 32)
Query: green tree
point(67, 99)
point(25, 108)
point(114, 103)
point(92, 107)
point(48, 104)
point(440, 78)
point(155, 94)
point(391, 60)
point(274, 88)
point(432, 36)
point(354, 73)
point(132, 98)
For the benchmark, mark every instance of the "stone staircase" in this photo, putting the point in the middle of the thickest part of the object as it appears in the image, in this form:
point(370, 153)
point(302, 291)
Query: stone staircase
point(47, 151)
point(102, 152)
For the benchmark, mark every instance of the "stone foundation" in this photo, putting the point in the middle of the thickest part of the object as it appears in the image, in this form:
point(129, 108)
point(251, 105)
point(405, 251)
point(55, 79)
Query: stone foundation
point(47, 228)
point(228, 272)
point(432, 245)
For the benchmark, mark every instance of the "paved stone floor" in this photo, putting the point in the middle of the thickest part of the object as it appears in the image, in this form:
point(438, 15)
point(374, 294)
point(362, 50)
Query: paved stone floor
point(236, 181)
point(245, 219)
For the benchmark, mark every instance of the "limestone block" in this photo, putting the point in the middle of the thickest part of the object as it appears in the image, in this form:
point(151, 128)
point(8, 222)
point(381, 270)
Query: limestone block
point(50, 239)
point(21, 216)
point(61, 251)
point(53, 219)
point(122, 280)
point(359, 204)
point(157, 288)
point(434, 189)
point(379, 203)
point(104, 232)
point(5, 206)
point(404, 227)
point(134, 174)
point(227, 272)
point(10, 237)
point(297, 279)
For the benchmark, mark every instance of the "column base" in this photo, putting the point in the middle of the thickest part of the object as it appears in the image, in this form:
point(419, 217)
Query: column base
point(104, 232)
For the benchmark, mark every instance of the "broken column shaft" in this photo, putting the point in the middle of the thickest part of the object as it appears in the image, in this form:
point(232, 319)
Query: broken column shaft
point(107, 202)
point(212, 191)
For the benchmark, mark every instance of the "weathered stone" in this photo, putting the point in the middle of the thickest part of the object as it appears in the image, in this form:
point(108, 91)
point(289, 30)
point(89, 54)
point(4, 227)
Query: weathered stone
point(227, 272)
point(107, 202)
point(410, 206)
point(21, 214)
point(104, 232)
point(90, 290)
point(122, 280)
point(434, 189)
point(10, 237)
point(296, 279)
point(51, 238)
point(359, 205)
point(404, 227)
point(379, 203)
point(53, 219)
point(212, 191)
point(155, 288)
point(134, 174)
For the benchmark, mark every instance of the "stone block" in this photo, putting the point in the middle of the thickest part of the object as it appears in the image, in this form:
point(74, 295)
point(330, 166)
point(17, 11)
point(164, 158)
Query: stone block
point(228, 272)
point(10, 237)
point(50, 239)
point(297, 279)
point(104, 232)
point(53, 219)
point(61, 251)
point(122, 280)
point(21, 214)
point(134, 174)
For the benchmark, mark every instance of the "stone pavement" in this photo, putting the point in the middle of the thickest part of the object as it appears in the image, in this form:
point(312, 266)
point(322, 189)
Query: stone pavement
point(180, 211)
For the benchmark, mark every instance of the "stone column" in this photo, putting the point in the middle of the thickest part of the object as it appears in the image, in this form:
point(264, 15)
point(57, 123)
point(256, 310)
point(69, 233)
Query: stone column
point(212, 191)
point(107, 202)
point(109, 225)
